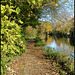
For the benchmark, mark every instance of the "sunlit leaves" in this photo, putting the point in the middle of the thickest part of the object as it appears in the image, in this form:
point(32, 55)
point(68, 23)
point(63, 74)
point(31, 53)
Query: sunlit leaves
point(39, 0)
point(48, 27)
point(2, 9)
point(28, 1)
point(64, 2)
point(56, 4)
point(20, 21)
point(33, 1)
point(10, 32)
point(11, 42)
point(17, 10)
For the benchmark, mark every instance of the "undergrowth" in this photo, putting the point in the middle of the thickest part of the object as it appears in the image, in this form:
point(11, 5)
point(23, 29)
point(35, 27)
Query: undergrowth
point(39, 42)
point(65, 65)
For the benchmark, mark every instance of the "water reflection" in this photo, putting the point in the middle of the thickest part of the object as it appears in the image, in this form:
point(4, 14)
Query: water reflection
point(60, 44)
point(49, 40)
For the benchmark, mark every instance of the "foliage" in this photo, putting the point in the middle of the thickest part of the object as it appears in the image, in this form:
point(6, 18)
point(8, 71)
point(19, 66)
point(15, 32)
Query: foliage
point(30, 32)
point(48, 27)
point(64, 63)
point(62, 28)
point(39, 42)
point(11, 42)
point(30, 10)
point(15, 16)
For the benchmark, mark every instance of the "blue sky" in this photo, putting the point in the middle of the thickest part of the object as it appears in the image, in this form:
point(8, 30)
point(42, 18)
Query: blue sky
point(68, 6)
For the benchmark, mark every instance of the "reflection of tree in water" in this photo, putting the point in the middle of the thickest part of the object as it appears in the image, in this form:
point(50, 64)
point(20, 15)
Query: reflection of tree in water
point(49, 40)
point(63, 45)
point(59, 40)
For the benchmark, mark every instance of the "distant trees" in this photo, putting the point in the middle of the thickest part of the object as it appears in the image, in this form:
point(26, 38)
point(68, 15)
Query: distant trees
point(45, 27)
point(63, 27)
point(71, 25)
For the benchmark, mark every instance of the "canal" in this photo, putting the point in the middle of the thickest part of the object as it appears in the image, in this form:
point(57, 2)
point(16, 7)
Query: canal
point(60, 44)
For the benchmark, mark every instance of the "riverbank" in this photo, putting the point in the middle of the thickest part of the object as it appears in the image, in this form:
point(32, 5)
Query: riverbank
point(37, 61)
point(33, 62)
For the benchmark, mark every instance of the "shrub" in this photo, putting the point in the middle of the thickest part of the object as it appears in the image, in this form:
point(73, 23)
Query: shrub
point(11, 39)
point(39, 42)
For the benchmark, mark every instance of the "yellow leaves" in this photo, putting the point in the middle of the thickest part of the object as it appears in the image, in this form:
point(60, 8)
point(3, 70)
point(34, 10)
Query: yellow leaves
point(2, 9)
point(33, 1)
point(4, 48)
point(22, 65)
point(21, 42)
point(49, 40)
point(17, 10)
point(6, 17)
point(28, 1)
point(13, 52)
point(20, 21)
point(52, 3)
point(9, 9)
point(2, 42)
point(48, 27)
point(64, 2)
point(10, 31)
point(7, 6)
point(56, 4)
point(39, 0)
point(32, 6)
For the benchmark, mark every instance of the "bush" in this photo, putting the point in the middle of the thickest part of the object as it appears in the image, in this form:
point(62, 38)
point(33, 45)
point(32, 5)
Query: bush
point(12, 43)
point(39, 42)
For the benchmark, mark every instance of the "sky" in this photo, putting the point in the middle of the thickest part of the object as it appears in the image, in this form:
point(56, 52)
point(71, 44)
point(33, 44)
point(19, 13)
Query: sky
point(68, 7)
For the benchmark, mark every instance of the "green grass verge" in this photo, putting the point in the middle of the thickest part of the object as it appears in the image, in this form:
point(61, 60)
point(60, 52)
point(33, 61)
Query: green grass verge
point(28, 38)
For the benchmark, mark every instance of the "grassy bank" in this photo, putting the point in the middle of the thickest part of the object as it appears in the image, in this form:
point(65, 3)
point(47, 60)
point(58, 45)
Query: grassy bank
point(60, 61)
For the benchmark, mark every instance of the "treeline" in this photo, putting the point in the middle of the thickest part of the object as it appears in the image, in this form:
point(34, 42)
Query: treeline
point(64, 29)
point(59, 29)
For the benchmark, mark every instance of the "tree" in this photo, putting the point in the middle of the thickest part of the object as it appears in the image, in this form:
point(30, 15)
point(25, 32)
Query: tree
point(30, 10)
point(11, 39)
point(48, 27)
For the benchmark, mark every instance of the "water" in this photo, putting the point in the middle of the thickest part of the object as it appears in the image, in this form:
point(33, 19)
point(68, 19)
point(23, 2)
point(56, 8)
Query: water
point(61, 44)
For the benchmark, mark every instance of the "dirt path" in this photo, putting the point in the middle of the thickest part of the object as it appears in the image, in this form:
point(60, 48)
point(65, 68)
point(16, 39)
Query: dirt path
point(33, 62)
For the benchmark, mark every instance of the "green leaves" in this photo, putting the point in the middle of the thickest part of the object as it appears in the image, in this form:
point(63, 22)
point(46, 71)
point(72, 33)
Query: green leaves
point(20, 21)
point(39, 0)
point(11, 42)
point(17, 10)
point(33, 1)
point(2, 9)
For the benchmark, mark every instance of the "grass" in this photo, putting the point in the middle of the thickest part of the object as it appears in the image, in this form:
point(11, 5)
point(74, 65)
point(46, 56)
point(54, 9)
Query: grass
point(65, 65)
point(28, 38)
